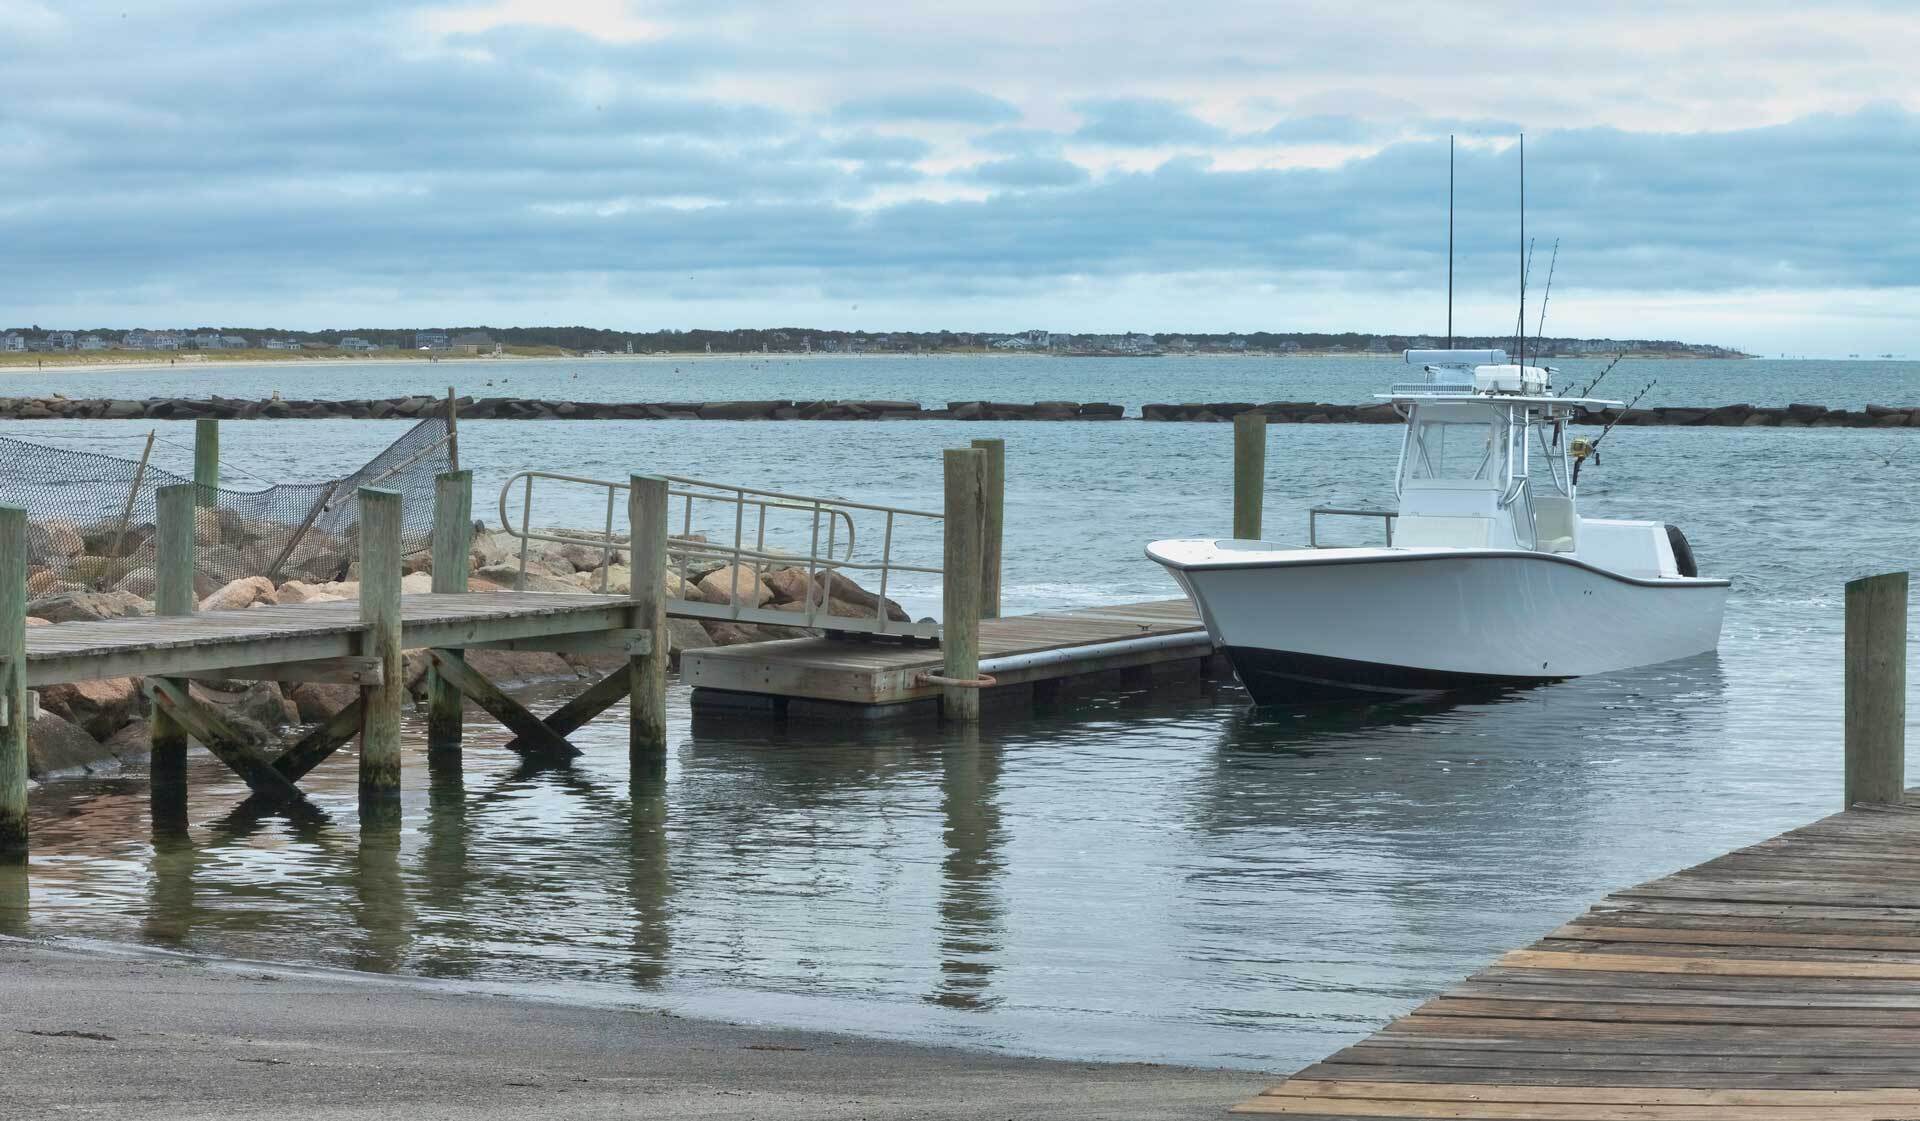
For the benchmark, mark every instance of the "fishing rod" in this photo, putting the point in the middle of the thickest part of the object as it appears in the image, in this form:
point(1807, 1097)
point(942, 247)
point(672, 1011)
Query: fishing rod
point(1591, 448)
point(1601, 376)
point(1539, 334)
point(1449, 243)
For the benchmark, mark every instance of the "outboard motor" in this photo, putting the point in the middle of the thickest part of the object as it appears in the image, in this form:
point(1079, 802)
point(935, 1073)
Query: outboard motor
point(1682, 552)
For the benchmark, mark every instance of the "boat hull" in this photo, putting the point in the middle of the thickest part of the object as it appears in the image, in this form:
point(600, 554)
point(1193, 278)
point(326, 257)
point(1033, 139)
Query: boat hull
point(1316, 624)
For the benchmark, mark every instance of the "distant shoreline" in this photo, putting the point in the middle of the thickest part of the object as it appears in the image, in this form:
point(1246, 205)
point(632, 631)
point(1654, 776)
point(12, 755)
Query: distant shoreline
point(40, 364)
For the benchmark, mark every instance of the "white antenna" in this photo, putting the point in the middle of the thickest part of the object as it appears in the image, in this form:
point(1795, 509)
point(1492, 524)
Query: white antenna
point(1520, 335)
point(1449, 243)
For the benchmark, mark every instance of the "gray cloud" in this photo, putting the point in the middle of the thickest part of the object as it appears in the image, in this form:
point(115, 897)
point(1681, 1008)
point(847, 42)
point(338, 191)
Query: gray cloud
point(952, 105)
point(1141, 122)
point(1028, 171)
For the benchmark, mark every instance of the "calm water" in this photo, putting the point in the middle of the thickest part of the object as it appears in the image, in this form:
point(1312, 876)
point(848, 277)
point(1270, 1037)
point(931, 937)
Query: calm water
point(1166, 878)
point(935, 380)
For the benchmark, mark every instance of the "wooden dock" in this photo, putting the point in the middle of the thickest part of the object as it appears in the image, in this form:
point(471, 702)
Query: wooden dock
point(1780, 981)
point(1028, 657)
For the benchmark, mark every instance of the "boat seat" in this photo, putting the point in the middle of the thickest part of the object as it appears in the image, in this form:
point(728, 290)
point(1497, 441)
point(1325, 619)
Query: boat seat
point(1448, 532)
point(1554, 523)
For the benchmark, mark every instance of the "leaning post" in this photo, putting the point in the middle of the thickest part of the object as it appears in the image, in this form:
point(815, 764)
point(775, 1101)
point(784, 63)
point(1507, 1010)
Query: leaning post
point(452, 545)
point(1249, 472)
point(380, 611)
point(172, 596)
point(960, 585)
point(1876, 689)
point(13, 668)
point(993, 503)
point(206, 460)
point(647, 673)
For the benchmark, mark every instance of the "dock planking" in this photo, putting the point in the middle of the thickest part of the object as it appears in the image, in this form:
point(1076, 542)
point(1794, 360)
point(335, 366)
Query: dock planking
point(143, 645)
point(886, 674)
point(1779, 981)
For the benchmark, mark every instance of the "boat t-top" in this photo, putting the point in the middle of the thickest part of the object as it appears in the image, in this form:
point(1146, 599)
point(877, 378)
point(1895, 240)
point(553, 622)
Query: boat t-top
point(1489, 576)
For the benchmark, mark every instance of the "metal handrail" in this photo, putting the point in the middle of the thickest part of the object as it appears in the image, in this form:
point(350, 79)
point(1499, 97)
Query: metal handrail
point(1313, 520)
point(834, 513)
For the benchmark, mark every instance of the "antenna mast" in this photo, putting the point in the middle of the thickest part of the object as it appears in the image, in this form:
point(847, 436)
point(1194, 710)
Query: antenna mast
point(1449, 243)
point(1520, 336)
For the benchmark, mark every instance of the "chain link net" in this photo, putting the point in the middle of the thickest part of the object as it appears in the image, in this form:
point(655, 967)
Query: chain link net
point(84, 534)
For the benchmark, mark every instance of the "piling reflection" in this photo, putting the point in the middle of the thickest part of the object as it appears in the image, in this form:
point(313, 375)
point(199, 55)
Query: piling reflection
point(650, 876)
point(171, 909)
point(446, 870)
point(971, 915)
point(380, 906)
point(15, 904)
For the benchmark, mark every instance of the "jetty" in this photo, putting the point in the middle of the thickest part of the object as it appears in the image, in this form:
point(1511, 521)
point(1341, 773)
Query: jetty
point(1780, 981)
point(1800, 415)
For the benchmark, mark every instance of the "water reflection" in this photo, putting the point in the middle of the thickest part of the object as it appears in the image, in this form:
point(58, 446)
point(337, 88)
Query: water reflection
point(970, 909)
point(380, 909)
point(650, 877)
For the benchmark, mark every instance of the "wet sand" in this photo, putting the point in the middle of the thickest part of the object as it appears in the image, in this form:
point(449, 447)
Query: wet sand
point(129, 1033)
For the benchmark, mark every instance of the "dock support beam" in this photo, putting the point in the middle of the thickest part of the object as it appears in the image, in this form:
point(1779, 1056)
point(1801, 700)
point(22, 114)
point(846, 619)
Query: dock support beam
point(452, 541)
point(13, 671)
point(960, 584)
point(1249, 473)
point(206, 460)
point(172, 596)
point(380, 611)
point(1876, 689)
point(647, 673)
point(993, 504)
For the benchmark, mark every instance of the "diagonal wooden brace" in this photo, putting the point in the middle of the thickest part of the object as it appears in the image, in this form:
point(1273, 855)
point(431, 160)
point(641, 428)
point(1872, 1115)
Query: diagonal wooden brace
point(574, 715)
point(321, 741)
point(532, 735)
point(219, 737)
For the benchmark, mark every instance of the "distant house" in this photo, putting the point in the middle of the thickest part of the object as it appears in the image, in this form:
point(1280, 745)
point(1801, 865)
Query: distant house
point(355, 342)
point(59, 340)
point(471, 342)
point(1289, 346)
point(282, 344)
point(235, 342)
point(92, 342)
point(207, 340)
point(430, 340)
point(1379, 345)
point(13, 342)
point(164, 340)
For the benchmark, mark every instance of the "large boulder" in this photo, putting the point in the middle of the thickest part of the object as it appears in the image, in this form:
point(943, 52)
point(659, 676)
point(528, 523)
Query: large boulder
point(71, 607)
point(685, 634)
point(99, 707)
point(416, 582)
point(505, 666)
point(314, 701)
point(238, 595)
point(505, 575)
point(790, 584)
point(63, 539)
point(55, 743)
point(142, 581)
point(840, 588)
point(735, 584)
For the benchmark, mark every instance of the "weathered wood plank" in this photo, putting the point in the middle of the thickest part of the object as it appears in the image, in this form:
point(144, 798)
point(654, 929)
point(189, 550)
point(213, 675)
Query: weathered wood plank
point(356, 669)
point(381, 614)
point(576, 713)
point(534, 736)
point(452, 542)
point(13, 682)
point(320, 742)
point(219, 737)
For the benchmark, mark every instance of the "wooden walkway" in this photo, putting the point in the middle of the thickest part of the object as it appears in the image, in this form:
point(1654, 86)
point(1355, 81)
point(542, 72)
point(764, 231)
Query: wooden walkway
point(184, 645)
point(1780, 981)
point(1081, 643)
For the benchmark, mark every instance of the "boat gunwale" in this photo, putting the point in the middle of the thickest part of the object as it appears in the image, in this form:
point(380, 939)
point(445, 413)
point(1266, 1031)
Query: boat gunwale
point(1307, 558)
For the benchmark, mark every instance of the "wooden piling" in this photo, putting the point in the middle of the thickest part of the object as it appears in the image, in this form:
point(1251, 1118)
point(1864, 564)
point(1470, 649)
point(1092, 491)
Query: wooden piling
point(1876, 689)
point(452, 544)
point(206, 459)
point(993, 502)
point(647, 673)
point(961, 584)
point(13, 671)
point(380, 525)
point(1249, 473)
point(172, 596)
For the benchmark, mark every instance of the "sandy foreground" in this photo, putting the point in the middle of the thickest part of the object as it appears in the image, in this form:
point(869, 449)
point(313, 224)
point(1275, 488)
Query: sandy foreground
point(102, 1032)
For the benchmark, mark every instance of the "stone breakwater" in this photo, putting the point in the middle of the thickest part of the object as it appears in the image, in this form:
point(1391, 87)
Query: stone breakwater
point(518, 408)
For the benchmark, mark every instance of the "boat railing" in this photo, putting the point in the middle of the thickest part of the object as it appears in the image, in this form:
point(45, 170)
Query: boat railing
point(1314, 515)
point(718, 524)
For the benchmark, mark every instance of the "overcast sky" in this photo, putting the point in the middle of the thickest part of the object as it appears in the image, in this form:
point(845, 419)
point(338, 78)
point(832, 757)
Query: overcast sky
point(1744, 173)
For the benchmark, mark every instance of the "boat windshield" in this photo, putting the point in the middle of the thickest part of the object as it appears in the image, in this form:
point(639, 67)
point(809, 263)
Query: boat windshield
point(1455, 451)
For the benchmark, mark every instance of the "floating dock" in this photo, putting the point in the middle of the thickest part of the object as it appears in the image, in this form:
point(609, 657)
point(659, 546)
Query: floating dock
point(1780, 981)
point(1029, 659)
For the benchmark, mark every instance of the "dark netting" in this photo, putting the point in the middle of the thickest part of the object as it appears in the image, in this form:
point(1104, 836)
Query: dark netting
point(82, 529)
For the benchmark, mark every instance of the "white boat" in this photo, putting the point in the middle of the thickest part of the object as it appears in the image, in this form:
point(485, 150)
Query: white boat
point(1490, 576)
